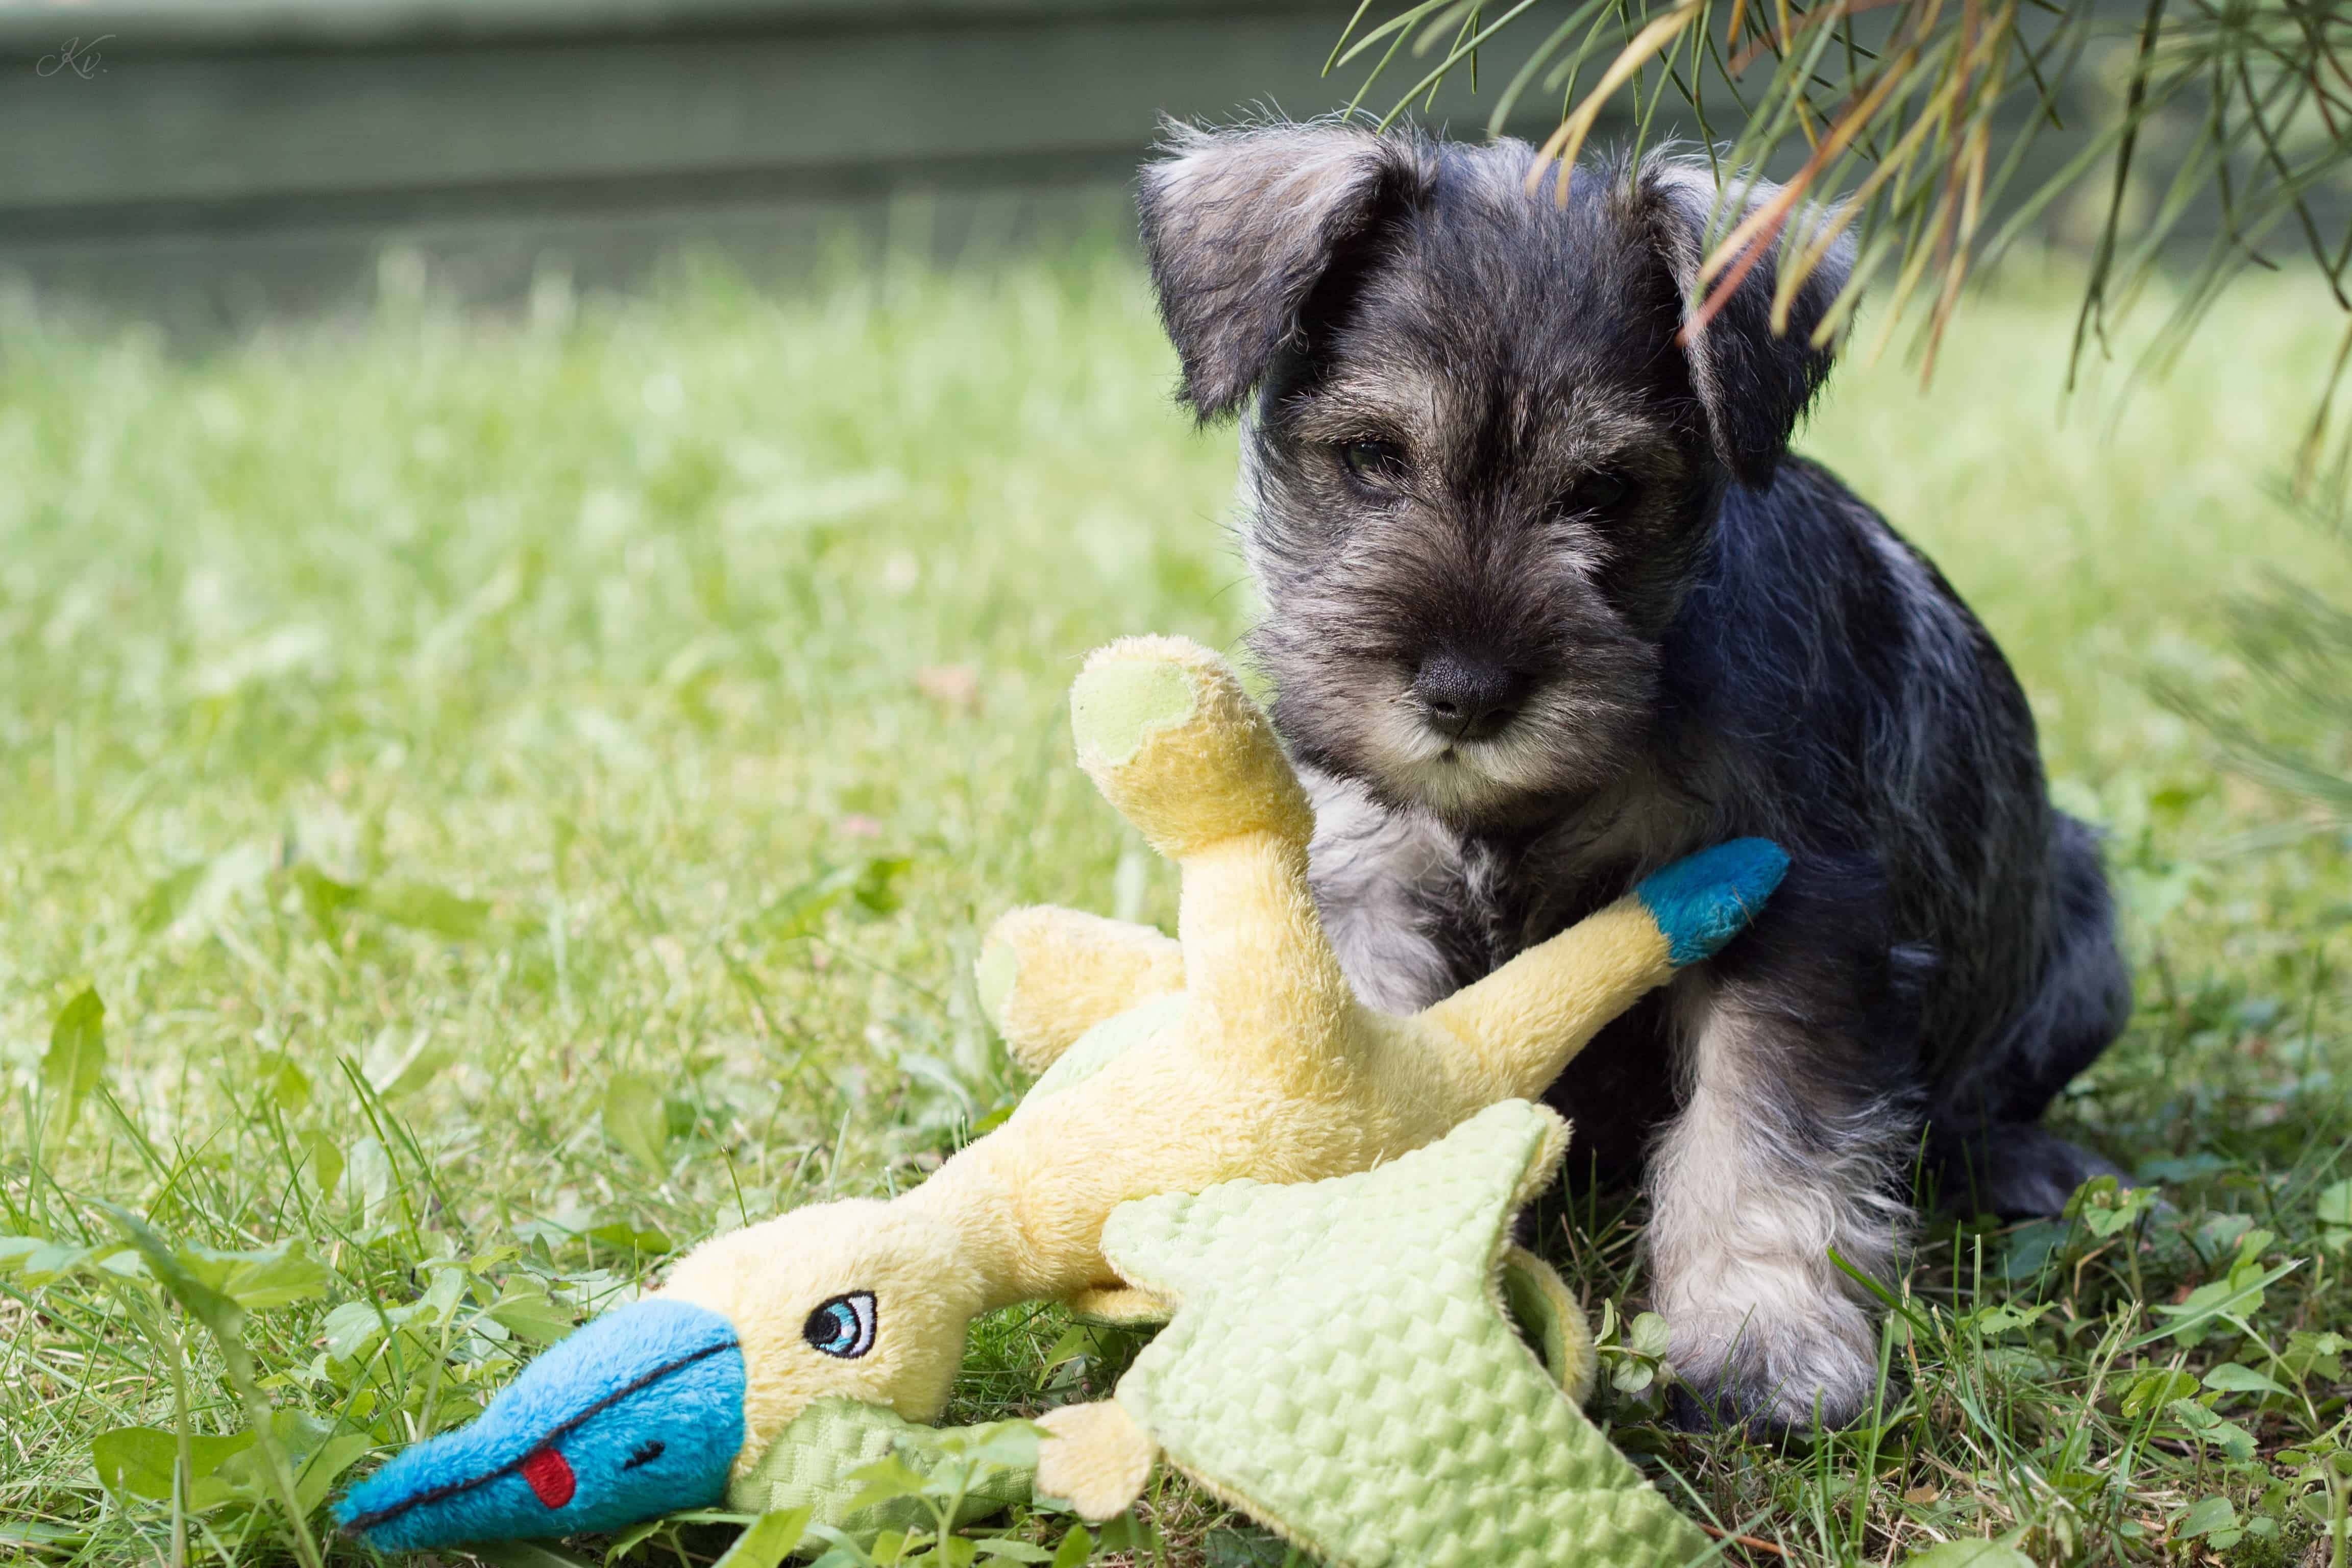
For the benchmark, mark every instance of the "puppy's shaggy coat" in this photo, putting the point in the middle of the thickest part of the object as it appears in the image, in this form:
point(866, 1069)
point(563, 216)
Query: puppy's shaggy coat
point(1547, 604)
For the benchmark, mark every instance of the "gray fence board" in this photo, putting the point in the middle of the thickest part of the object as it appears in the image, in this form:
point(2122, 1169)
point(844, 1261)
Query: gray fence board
point(261, 150)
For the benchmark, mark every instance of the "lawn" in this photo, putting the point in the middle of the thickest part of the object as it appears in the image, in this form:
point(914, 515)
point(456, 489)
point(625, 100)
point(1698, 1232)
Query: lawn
point(525, 792)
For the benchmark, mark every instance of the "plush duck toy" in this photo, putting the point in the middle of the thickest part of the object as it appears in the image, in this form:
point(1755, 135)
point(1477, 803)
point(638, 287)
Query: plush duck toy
point(1236, 1050)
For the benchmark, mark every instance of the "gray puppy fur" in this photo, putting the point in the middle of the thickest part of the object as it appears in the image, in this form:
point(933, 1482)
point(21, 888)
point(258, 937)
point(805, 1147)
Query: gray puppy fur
point(1549, 605)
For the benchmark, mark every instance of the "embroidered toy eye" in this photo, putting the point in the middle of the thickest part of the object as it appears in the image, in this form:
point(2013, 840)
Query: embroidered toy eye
point(646, 1454)
point(843, 1326)
point(1373, 461)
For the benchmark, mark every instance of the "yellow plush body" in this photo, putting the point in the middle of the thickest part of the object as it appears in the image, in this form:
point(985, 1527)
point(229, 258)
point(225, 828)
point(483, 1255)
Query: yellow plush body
point(1263, 1063)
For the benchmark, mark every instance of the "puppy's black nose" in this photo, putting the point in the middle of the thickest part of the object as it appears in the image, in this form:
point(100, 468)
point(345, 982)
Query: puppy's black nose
point(1468, 698)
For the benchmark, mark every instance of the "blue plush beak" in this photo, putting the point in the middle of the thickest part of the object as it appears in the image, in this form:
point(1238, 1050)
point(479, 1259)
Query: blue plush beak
point(1703, 901)
point(639, 1413)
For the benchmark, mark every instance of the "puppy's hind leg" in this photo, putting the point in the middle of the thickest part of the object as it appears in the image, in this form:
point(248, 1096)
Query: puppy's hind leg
point(1987, 1153)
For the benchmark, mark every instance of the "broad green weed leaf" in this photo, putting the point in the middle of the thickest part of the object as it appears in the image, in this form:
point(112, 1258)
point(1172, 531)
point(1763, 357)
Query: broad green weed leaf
point(138, 1461)
point(224, 1320)
point(2211, 1514)
point(317, 1475)
point(2307, 1352)
point(2231, 1438)
point(2335, 1214)
point(219, 1312)
point(1011, 1549)
point(260, 1279)
point(43, 1262)
point(324, 900)
point(1970, 1554)
point(623, 1237)
point(530, 1315)
point(2155, 1390)
point(1125, 1532)
point(629, 1539)
point(1226, 1548)
point(75, 1061)
point(635, 1120)
point(875, 888)
point(2032, 1247)
point(884, 1480)
point(290, 1088)
point(367, 1178)
point(398, 1066)
point(2219, 1233)
point(869, 886)
point(801, 913)
point(322, 1162)
point(165, 898)
point(257, 1281)
point(301, 1437)
point(442, 1298)
point(426, 907)
point(1077, 1341)
point(2105, 1205)
point(1632, 1376)
point(767, 1540)
point(1012, 1445)
point(2231, 1378)
point(1648, 1335)
point(2239, 1295)
point(2006, 1318)
point(352, 1330)
point(1076, 1548)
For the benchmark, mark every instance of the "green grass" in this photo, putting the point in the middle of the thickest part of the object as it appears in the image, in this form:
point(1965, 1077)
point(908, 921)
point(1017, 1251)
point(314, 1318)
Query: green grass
point(527, 793)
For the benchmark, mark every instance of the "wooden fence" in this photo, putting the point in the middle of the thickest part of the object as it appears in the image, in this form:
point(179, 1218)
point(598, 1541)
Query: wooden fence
point(241, 154)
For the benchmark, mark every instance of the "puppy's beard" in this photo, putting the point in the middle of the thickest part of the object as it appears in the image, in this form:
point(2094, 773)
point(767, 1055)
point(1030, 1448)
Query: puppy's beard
point(1549, 749)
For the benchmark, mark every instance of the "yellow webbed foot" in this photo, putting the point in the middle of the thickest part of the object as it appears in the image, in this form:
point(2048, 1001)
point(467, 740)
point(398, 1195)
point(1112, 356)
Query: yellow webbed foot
point(1174, 743)
point(1093, 1457)
point(1046, 975)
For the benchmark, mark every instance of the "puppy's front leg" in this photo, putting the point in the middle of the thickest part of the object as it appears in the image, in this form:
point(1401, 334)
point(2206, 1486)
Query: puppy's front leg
point(1402, 902)
point(1782, 1150)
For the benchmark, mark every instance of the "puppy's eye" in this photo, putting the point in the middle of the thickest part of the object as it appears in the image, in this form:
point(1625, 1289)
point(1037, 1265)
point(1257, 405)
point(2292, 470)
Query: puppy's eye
point(1597, 492)
point(843, 1326)
point(1374, 462)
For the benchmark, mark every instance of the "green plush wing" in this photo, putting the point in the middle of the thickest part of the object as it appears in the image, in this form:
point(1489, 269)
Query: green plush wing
point(814, 1460)
point(1340, 1365)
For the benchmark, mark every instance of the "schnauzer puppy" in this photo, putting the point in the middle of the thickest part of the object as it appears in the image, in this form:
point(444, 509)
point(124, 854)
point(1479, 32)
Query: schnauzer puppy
point(1547, 604)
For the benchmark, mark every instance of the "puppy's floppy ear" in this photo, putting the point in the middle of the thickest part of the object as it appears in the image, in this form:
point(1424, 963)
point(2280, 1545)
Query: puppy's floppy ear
point(1240, 225)
point(1753, 383)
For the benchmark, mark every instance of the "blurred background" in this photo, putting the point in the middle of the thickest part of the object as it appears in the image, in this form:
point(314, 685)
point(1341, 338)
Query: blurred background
point(541, 547)
point(215, 160)
point(206, 163)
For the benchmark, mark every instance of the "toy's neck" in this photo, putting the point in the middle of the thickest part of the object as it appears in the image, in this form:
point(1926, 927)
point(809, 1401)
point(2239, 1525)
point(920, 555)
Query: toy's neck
point(976, 1196)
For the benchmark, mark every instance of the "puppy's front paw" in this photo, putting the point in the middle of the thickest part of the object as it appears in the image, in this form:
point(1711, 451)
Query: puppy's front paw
point(1774, 1371)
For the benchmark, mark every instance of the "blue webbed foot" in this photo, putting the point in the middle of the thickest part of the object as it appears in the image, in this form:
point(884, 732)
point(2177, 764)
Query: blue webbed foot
point(1703, 901)
point(639, 1413)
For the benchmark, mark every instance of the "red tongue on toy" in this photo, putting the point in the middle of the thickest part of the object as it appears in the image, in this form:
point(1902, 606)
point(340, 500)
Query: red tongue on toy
point(551, 1477)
